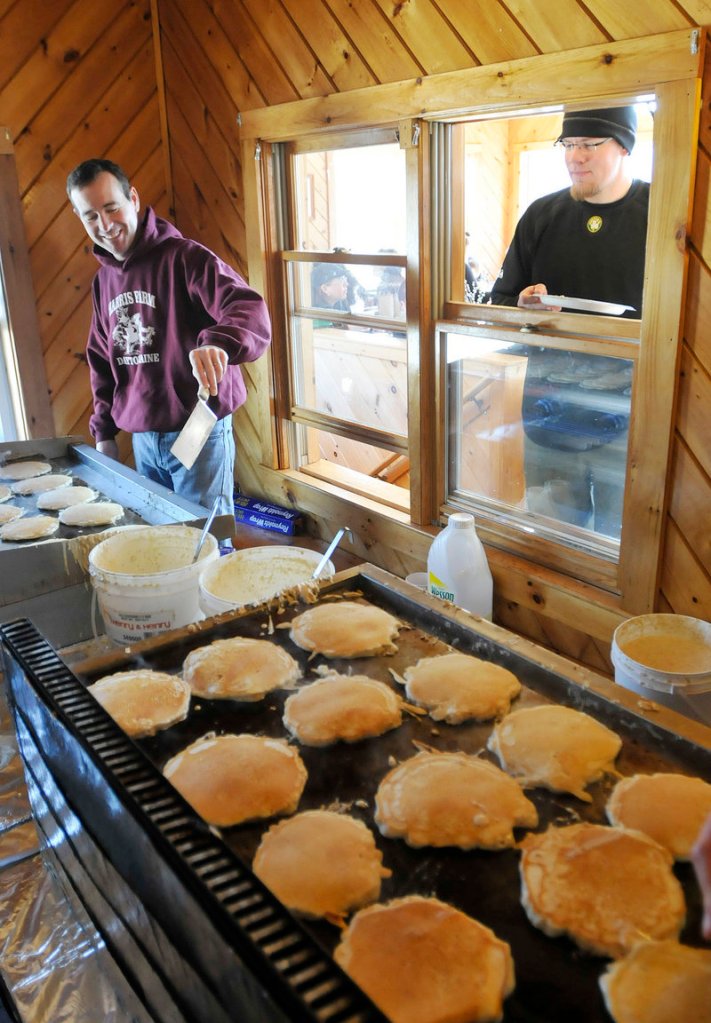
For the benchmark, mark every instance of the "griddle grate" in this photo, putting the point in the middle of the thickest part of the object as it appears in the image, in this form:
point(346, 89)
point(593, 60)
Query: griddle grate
point(313, 983)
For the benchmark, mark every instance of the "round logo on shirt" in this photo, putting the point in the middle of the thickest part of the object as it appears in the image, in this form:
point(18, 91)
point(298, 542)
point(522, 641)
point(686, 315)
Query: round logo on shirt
point(594, 224)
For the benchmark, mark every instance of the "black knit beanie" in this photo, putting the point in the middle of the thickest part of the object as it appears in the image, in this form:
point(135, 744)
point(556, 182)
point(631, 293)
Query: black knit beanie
point(619, 123)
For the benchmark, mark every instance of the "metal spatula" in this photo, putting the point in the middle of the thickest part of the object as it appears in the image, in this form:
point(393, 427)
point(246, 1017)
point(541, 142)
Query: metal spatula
point(191, 439)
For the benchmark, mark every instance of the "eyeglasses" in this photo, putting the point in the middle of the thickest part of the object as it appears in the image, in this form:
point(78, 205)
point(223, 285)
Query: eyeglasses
point(587, 147)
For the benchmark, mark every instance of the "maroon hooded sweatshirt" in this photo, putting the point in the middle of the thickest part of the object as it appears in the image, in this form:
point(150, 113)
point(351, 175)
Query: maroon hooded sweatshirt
point(168, 296)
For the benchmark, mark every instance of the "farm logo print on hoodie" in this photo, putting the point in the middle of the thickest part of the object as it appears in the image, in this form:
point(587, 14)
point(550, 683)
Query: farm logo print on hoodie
point(130, 334)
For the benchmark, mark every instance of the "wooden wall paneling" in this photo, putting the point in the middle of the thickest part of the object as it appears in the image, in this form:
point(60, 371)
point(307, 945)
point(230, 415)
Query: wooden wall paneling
point(489, 31)
point(700, 234)
point(72, 400)
point(684, 584)
point(53, 60)
point(258, 58)
point(627, 21)
point(69, 344)
point(214, 63)
point(689, 503)
point(334, 50)
point(62, 115)
point(23, 24)
point(694, 411)
point(428, 35)
point(381, 49)
point(553, 634)
point(303, 70)
point(564, 25)
point(698, 311)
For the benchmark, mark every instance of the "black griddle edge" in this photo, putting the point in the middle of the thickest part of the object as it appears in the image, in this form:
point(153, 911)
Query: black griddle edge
point(196, 934)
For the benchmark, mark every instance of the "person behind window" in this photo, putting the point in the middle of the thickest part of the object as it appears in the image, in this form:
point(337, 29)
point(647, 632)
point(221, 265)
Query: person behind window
point(168, 315)
point(329, 287)
point(586, 241)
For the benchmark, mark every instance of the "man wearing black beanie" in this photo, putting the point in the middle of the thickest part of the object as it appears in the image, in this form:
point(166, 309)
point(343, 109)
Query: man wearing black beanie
point(583, 242)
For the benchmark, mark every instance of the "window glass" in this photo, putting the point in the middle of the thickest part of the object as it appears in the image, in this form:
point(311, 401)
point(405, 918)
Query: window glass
point(10, 408)
point(542, 431)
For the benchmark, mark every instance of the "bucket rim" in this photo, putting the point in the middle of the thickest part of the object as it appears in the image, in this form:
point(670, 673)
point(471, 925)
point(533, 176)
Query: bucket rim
point(210, 548)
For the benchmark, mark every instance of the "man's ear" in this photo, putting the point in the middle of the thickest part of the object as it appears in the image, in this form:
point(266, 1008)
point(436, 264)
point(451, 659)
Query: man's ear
point(135, 198)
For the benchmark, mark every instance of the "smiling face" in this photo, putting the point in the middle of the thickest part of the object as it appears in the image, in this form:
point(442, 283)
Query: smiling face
point(600, 175)
point(110, 218)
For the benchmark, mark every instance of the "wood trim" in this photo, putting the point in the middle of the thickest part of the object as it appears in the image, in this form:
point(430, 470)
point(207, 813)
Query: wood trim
point(162, 105)
point(20, 299)
point(576, 76)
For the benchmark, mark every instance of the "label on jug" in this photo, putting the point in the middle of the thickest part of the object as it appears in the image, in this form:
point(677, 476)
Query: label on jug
point(437, 587)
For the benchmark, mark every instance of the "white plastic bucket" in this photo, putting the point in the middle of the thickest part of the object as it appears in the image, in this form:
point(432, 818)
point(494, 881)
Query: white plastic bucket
point(647, 649)
point(145, 581)
point(256, 574)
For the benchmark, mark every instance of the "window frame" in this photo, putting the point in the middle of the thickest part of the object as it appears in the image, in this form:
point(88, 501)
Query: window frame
point(668, 66)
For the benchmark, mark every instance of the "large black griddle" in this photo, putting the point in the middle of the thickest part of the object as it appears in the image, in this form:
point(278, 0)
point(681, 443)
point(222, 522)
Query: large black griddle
point(145, 831)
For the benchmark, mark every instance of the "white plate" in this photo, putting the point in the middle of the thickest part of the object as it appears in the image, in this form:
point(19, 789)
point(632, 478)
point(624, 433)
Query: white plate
point(588, 305)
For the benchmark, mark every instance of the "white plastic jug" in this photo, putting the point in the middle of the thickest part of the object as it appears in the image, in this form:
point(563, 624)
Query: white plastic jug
point(457, 568)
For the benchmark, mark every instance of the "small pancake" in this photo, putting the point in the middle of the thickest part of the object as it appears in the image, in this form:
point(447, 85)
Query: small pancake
point(39, 484)
point(423, 961)
point(321, 863)
point(456, 687)
point(554, 747)
point(345, 629)
point(5, 493)
point(10, 512)
point(229, 779)
point(23, 470)
point(606, 888)
point(34, 527)
point(143, 702)
point(442, 799)
point(670, 808)
point(659, 982)
point(98, 513)
point(239, 669)
point(342, 708)
point(65, 497)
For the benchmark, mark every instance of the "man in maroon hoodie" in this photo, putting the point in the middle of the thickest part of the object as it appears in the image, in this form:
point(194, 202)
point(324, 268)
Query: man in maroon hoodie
point(168, 316)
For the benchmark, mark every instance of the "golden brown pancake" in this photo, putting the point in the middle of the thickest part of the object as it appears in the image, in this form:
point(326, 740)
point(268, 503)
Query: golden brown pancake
point(321, 863)
point(345, 629)
point(423, 961)
point(33, 527)
point(143, 702)
point(239, 669)
point(10, 512)
point(606, 888)
point(39, 484)
point(229, 779)
point(23, 470)
point(554, 747)
point(455, 687)
point(659, 982)
point(442, 799)
point(97, 513)
point(670, 808)
point(342, 708)
point(64, 497)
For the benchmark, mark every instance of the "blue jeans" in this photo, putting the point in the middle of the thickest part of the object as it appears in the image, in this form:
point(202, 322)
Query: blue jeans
point(212, 474)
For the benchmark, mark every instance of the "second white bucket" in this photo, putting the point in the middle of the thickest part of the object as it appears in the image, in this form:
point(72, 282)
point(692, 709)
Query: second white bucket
point(145, 580)
point(255, 574)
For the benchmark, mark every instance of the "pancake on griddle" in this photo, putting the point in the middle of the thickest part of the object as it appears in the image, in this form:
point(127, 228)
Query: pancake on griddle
point(442, 799)
point(32, 527)
point(342, 708)
point(10, 512)
point(23, 470)
point(321, 863)
point(239, 669)
point(554, 747)
point(670, 808)
point(345, 629)
point(455, 687)
point(94, 513)
point(39, 484)
point(143, 702)
point(423, 961)
point(65, 497)
point(606, 888)
point(229, 779)
point(659, 982)
point(5, 493)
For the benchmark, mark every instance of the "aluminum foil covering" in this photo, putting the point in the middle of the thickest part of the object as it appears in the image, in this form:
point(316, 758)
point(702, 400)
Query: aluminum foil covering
point(54, 964)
